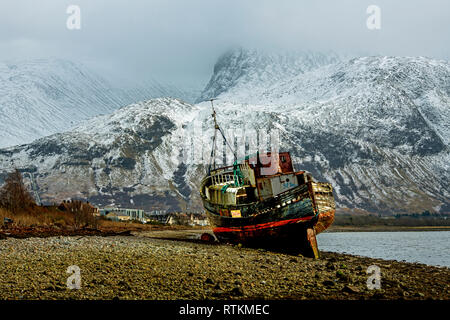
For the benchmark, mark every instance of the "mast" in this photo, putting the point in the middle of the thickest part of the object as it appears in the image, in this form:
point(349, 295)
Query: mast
point(212, 160)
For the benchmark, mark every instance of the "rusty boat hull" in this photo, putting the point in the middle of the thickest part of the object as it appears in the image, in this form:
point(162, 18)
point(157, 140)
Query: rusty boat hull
point(289, 221)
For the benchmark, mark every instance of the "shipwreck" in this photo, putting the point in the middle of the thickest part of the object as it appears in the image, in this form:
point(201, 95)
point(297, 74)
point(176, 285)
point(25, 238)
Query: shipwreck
point(249, 204)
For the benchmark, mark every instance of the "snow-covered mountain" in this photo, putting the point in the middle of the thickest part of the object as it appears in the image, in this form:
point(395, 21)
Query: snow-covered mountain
point(239, 73)
point(377, 128)
point(45, 96)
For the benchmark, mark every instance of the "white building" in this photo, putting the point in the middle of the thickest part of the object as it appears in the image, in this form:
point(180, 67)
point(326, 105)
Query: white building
point(133, 214)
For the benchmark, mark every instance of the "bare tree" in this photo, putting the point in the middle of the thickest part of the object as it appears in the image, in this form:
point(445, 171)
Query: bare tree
point(14, 195)
point(83, 213)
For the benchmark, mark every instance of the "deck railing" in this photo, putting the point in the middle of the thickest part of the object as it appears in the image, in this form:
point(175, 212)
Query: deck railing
point(222, 178)
point(225, 175)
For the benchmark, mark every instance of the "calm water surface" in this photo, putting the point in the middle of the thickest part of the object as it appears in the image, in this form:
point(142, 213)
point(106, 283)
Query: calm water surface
point(428, 247)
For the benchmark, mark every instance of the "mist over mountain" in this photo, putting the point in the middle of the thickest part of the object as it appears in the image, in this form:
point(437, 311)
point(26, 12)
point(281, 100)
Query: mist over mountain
point(239, 70)
point(44, 96)
point(376, 127)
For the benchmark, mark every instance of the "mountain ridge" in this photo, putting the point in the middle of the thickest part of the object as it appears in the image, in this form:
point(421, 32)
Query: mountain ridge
point(237, 68)
point(44, 96)
point(377, 128)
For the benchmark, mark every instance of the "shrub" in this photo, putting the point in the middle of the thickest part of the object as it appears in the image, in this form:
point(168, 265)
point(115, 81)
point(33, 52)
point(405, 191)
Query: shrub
point(14, 197)
point(83, 216)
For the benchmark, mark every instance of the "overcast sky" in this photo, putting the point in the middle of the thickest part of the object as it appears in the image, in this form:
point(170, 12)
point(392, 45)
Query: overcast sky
point(181, 39)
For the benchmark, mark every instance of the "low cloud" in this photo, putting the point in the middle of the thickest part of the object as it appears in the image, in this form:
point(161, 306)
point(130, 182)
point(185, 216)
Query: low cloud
point(180, 40)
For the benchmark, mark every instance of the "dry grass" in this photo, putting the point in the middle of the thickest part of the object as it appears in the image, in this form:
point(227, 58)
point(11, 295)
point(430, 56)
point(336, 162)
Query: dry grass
point(51, 217)
point(38, 217)
point(3, 214)
point(110, 225)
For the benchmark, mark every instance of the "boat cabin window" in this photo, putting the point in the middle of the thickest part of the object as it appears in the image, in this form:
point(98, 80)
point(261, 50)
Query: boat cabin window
point(283, 159)
point(301, 179)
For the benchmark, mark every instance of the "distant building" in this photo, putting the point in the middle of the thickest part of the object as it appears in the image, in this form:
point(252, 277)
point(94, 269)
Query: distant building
point(158, 216)
point(123, 214)
point(112, 216)
point(190, 219)
point(117, 217)
point(199, 220)
point(157, 212)
point(76, 205)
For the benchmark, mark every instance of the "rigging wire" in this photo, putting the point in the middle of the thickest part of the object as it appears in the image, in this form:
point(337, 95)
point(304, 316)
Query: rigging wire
point(212, 160)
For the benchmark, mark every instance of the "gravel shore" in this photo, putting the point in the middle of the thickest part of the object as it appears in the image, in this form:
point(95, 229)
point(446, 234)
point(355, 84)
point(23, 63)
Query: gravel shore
point(139, 267)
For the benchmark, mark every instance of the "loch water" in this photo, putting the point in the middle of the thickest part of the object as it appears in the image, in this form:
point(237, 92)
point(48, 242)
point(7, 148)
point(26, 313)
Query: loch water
point(428, 247)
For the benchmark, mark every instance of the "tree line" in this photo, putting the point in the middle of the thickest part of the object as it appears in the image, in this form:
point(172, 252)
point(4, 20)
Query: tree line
point(16, 200)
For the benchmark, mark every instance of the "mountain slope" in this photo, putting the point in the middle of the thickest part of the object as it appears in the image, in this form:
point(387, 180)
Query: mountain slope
point(41, 97)
point(375, 127)
point(240, 73)
point(109, 159)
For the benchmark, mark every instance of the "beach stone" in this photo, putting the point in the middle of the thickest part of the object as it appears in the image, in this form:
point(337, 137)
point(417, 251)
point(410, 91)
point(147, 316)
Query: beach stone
point(350, 289)
point(342, 276)
point(237, 291)
point(328, 283)
point(157, 269)
point(218, 293)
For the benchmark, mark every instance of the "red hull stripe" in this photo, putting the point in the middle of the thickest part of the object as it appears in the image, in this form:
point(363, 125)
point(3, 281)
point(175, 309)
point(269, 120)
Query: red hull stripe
point(260, 226)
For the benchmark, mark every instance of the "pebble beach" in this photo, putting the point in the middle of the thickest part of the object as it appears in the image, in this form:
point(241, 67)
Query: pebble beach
point(141, 267)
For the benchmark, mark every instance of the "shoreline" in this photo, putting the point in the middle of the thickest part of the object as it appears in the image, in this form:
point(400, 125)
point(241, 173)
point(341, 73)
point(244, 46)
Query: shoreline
point(47, 231)
point(22, 232)
point(334, 228)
